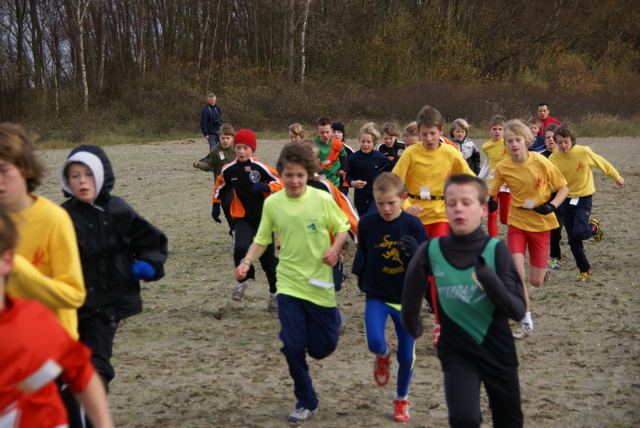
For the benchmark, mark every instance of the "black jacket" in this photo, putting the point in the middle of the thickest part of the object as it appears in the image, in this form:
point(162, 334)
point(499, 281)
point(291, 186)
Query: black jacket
point(111, 238)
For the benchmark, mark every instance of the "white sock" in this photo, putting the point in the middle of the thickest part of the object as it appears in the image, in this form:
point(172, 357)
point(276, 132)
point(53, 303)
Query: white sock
point(527, 319)
point(406, 397)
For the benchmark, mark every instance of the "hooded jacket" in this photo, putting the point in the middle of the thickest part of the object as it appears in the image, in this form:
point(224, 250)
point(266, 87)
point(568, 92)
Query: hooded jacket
point(111, 238)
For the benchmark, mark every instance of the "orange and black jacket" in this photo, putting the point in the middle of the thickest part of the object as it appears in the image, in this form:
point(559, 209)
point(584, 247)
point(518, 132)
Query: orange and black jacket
point(239, 177)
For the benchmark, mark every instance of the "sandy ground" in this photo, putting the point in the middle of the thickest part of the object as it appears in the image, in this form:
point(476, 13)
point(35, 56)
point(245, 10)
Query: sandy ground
point(195, 358)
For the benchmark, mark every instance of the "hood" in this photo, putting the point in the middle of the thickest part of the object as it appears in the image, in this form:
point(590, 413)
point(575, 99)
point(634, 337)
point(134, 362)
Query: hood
point(97, 161)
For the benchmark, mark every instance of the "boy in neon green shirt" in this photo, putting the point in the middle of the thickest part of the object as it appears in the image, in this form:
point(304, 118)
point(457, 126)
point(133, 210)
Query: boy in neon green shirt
point(304, 217)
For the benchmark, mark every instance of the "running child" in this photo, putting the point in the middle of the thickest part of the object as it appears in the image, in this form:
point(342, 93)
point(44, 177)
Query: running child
point(424, 168)
point(478, 290)
point(46, 265)
point(333, 156)
point(219, 156)
point(340, 134)
point(410, 135)
point(495, 152)
point(459, 133)
point(118, 249)
point(538, 145)
point(555, 252)
point(251, 182)
point(390, 146)
point(576, 162)
point(36, 349)
point(296, 132)
point(387, 240)
point(531, 177)
point(304, 218)
point(364, 166)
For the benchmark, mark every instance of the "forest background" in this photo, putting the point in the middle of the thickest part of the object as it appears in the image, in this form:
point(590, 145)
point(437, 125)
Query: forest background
point(107, 71)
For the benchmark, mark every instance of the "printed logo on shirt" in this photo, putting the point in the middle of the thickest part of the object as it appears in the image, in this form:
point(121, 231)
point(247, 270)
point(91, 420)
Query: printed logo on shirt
point(437, 271)
point(38, 255)
point(462, 292)
point(580, 166)
point(311, 227)
point(393, 255)
point(538, 182)
point(254, 176)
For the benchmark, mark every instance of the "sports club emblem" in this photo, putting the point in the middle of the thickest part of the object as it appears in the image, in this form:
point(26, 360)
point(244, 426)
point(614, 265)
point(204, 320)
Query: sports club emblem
point(255, 176)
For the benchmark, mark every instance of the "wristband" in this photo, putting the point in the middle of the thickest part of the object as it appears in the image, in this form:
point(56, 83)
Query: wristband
point(247, 259)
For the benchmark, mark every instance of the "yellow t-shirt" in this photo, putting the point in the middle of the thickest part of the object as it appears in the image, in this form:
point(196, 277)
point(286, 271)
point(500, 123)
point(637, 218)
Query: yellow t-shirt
point(576, 166)
point(420, 167)
point(533, 179)
point(47, 262)
point(496, 152)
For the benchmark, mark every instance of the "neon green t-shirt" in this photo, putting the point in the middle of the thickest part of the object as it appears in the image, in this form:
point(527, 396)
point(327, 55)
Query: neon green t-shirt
point(303, 225)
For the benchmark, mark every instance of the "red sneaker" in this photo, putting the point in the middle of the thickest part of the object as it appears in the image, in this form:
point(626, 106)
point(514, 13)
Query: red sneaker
point(381, 368)
point(436, 335)
point(401, 411)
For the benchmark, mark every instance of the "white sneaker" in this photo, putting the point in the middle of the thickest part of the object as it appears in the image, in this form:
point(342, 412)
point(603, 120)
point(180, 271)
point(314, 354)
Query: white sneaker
point(525, 331)
point(300, 415)
point(238, 290)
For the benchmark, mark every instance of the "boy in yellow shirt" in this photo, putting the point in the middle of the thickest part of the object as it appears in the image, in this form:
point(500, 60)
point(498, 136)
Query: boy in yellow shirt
point(531, 178)
point(495, 152)
point(424, 169)
point(575, 163)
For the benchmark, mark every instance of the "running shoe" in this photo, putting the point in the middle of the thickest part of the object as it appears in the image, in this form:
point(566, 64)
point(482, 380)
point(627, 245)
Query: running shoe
point(401, 411)
point(300, 415)
point(584, 276)
point(238, 290)
point(597, 230)
point(436, 335)
point(273, 303)
point(553, 264)
point(381, 368)
point(525, 331)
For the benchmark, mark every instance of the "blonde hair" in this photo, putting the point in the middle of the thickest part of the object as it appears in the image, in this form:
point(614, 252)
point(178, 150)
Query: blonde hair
point(370, 128)
point(297, 129)
point(517, 127)
point(459, 123)
point(411, 130)
point(390, 128)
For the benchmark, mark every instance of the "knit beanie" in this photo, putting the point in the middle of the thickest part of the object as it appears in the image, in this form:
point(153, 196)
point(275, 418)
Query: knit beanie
point(245, 136)
point(338, 126)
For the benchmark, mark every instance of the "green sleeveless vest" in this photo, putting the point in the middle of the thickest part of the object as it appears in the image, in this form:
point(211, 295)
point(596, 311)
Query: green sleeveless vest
point(460, 297)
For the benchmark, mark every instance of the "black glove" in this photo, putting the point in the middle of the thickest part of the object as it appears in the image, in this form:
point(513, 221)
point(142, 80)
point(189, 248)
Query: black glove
point(215, 212)
point(493, 205)
point(261, 187)
point(408, 247)
point(545, 209)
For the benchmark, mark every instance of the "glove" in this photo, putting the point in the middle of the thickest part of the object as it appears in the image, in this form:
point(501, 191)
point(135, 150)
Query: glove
point(142, 270)
point(261, 187)
point(545, 209)
point(215, 212)
point(408, 247)
point(493, 205)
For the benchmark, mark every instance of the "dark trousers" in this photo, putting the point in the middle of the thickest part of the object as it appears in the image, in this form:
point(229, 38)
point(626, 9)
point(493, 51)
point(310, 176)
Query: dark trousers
point(74, 411)
point(245, 231)
point(213, 140)
point(306, 328)
point(555, 236)
point(576, 223)
point(462, 392)
point(97, 332)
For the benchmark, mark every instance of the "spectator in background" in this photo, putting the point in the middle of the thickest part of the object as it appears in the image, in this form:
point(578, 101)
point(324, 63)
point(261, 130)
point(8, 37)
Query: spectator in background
point(545, 119)
point(211, 120)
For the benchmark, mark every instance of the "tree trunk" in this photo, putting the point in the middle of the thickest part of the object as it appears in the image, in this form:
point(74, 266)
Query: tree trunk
point(303, 34)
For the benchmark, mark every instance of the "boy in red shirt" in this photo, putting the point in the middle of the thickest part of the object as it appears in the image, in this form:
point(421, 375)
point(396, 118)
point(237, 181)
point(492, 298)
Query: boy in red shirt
point(36, 349)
